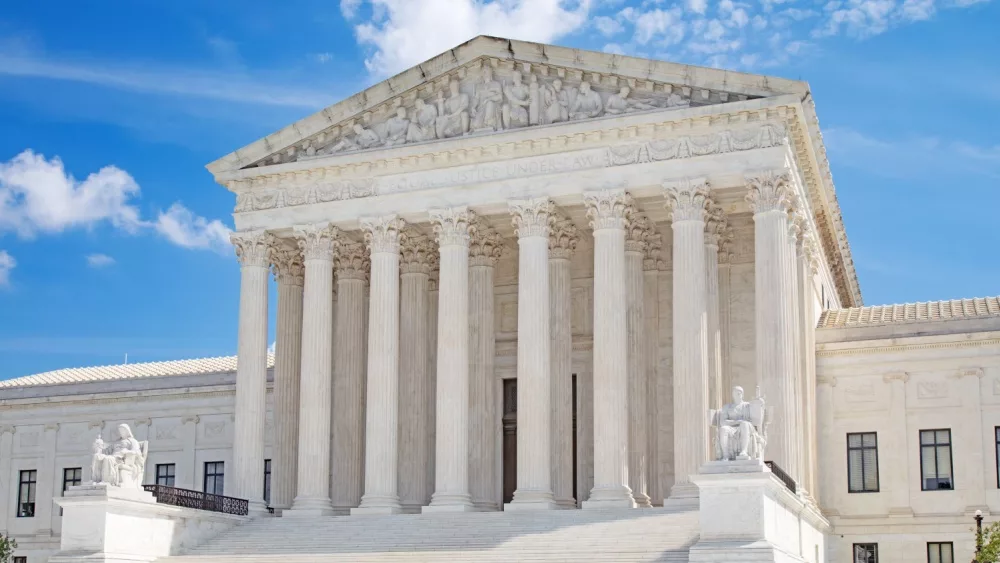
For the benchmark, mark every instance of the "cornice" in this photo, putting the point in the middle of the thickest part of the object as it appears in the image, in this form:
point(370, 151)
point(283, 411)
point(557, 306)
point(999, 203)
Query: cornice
point(886, 349)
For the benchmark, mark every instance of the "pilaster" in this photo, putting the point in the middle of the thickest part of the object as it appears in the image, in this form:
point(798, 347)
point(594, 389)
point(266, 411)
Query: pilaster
point(651, 329)
point(187, 469)
point(894, 466)
point(47, 480)
point(715, 225)
point(563, 238)
point(969, 438)
point(635, 249)
point(7, 484)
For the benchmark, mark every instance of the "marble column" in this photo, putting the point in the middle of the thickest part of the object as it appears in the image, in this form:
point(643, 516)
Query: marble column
point(809, 266)
point(349, 378)
point(485, 248)
point(791, 263)
point(451, 490)
point(431, 400)
point(714, 226)
point(562, 242)
point(382, 234)
point(635, 249)
point(531, 219)
point(651, 328)
point(319, 246)
point(769, 196)
point(289, 271)
point(253, 251)
point(608, 212)
point(413, 380)
point(688, 201)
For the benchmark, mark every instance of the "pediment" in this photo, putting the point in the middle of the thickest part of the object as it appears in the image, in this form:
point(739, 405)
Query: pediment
point(491, 85)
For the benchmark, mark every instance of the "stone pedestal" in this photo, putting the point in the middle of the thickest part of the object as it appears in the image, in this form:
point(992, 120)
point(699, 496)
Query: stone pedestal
point(106, 524)
point(746, 514)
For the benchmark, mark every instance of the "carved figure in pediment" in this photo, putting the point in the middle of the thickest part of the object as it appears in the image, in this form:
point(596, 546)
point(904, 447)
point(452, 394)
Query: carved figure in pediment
point(555, 101)
point(396, 128)
point(676, 100)
point(424, 118)
point(515, 110)
point(486, 111)
point(617, 104)
point(453, 118)
point(588, 103)
point(362, 139)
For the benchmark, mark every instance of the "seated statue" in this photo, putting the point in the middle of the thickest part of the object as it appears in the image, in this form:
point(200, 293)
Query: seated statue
point(123, 463)
point(396, 128)
point(740, 431)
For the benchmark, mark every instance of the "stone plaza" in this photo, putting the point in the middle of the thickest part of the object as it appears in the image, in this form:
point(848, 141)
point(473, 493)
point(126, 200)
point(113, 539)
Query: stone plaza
point(587, 293)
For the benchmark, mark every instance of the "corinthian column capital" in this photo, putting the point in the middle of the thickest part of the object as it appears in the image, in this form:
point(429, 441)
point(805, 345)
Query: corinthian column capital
point(563, 236)
point(687, 200)
point(352, 262)
point(637, 233)
point(769, 190)
point(253, 248)
point(716, 226)
point(608, 209)
point(383, 234)
point(288, 265)
point(317, 242)
point(451, 226)
point(654, 247)
point(416, 251)
point(532, 217)
point(486, 244)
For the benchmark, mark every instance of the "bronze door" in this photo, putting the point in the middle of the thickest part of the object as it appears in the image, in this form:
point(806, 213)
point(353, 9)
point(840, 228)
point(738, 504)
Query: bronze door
point(509, 439)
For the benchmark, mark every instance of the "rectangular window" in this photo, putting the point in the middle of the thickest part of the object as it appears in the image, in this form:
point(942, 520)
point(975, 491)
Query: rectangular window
point(267, 482)
point(940, 553)
point(996, 431)
point(20, 560)
point(165, 474)
point(862, 462)
point(865, 553)
point(26, 494)
point(72, 477)
point(215, 476)
point(935, 460)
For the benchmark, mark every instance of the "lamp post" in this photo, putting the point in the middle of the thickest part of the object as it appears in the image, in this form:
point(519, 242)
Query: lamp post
point(979, 534)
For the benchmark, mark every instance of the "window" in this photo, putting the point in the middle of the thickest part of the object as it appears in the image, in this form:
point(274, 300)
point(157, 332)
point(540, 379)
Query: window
point(935, 460)
point(267, 482)
point(26, 494)
point(940, 553)
point(862, 462)
point(20, 560)
point(215, 476)
point(165, 474)
point(996, 431)
point(72, 477)
point(865, 553)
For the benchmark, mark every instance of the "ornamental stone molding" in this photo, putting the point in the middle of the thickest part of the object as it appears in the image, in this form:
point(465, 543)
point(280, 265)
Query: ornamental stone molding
point(194, 419)
point(637, 231)
point(253, 248)
point(532, 217)
point(563, 238)
point(608, 209)
point(7, 429)
point(689, 146)
point(654, 248)
point(353, 261)
point(769, 190)
point(382, 234)
point(95, 424)
point(317, 242)
point(896, 376)
point(288, 265)
point(716, 226)
point(687, 199)
point(451, 226)
point(415, 253)
point(486, 244)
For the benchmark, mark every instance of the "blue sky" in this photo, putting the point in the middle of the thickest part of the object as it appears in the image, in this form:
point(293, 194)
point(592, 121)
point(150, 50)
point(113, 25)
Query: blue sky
point(113, 235)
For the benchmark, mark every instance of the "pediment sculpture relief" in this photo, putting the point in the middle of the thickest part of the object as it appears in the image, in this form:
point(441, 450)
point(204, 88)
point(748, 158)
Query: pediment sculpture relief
point(482, 102)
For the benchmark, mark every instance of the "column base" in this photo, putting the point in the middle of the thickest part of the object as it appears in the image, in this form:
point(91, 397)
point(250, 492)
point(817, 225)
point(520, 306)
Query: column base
point(376, 510)
point(525, 499)
point(340, 510)
point(372, 504)
point(682, 495)
point(257, 508)
point(409, 508)
point(566, 503)
point(612, 497)
point(485, 506)
point(309, 507)
point(449, 502)
point(642, 500)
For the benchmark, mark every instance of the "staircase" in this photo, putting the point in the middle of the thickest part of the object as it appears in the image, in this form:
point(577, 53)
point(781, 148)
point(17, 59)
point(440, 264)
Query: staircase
point(618, 535)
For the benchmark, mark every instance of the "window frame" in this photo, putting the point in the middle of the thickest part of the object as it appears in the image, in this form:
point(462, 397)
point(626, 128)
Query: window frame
point(214, 475)
point(32, 484)
point(172, 474)
point(76, 481)
point(862, 448)
point(936, 445)
point(941, 544)
point(267, 482)
point(996, 435)
point(19, 559)
point(873, 545)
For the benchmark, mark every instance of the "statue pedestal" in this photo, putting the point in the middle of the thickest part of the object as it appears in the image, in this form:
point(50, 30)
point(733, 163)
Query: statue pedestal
point(748, 515)
point(105, 524)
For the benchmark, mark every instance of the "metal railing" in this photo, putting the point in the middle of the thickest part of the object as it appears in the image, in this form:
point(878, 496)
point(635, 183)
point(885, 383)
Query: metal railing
point(781, 475)
point(196, 499)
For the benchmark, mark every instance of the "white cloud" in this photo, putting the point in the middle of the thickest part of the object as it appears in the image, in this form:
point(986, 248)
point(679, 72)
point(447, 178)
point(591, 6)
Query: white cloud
point(697, 6)
point(274, 346)
point(608, 26)
point(99, 260)
point(349, 8)
point(666, 27)
point(403, 33)
point(7, 263)
point(38, 196)
point(913, 158)
point(183, 228)
point(322, 58)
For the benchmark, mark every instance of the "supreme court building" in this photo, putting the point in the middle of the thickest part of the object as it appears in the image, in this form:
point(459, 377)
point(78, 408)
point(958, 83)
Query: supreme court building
point(517, 277)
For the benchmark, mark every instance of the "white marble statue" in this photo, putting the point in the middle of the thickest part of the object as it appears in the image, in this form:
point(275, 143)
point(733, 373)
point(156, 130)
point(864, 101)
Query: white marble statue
point(396, 128)
point(587, 104)
point(555, 101)
point(422, 128)
point(362, 139)
point(515, 109)
point(486, 111)
point(740, 433)
point(453, 112)
point(121, 464)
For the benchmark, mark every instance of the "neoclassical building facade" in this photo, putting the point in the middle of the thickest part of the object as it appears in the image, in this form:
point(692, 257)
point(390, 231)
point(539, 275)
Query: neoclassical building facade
point(518, 277)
